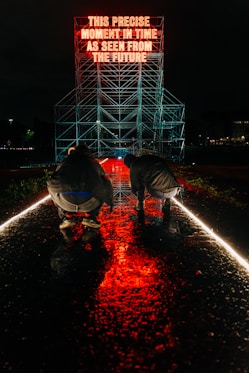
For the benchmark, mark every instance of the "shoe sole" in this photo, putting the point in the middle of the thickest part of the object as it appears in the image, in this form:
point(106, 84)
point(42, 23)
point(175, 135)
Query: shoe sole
point(139, 209)
point(67, 226)
point(91, 225)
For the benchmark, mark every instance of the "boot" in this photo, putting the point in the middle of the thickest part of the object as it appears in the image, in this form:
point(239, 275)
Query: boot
point(166, 206)
point(140, 206)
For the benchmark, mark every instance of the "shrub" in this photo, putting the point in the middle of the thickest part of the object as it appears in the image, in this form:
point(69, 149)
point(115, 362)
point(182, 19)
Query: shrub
point(20, 190)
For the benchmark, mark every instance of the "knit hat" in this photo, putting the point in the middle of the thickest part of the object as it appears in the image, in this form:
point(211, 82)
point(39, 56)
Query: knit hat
point(82, 148)
point(128, 159)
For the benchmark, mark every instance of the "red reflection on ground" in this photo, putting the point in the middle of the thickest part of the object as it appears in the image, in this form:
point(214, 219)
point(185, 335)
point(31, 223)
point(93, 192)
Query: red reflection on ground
point(131, 302)
point(130, 275)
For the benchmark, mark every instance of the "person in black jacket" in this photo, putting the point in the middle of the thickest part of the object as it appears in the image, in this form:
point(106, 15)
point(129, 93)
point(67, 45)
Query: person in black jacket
point(151, 173)
point(78, 185)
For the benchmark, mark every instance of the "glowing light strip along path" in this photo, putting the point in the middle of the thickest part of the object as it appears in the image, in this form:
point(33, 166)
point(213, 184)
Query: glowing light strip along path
point(11, 220)
point(228, 248)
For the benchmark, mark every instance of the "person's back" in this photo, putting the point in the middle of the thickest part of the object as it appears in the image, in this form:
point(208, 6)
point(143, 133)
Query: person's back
point(151, 173)
point(79, 185)
point(78, 175)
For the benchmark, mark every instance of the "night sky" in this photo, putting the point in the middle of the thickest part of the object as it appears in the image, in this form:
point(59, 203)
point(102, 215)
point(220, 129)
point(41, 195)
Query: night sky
point(206, 60)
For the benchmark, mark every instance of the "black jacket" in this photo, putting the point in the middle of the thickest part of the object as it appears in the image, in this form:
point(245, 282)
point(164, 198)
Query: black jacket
point(80, 177)
point(151, 172)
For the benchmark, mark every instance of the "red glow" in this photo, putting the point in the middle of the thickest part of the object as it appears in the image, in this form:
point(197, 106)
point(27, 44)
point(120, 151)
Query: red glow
point(133, 299)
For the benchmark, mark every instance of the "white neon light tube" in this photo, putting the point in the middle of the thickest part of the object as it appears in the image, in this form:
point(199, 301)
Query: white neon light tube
point(11, 220)
point(208, 230)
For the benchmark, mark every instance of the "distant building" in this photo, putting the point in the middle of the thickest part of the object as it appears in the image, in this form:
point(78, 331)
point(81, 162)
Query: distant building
point(240, 131)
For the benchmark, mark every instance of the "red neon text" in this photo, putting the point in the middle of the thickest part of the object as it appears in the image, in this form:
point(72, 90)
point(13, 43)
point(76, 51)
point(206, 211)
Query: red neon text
point(119, 57)
point(119, 38)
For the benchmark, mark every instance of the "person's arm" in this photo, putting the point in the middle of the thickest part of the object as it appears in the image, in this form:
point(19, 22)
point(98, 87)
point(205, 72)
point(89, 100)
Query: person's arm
point(108, 192)
point(103, 189)
point(137, 184)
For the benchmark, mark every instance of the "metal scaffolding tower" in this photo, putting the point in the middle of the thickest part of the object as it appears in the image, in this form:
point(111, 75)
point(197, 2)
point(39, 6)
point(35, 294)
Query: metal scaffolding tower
point(120, 107)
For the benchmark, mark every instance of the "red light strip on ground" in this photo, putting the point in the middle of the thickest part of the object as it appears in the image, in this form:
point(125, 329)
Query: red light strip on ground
point(208, 230)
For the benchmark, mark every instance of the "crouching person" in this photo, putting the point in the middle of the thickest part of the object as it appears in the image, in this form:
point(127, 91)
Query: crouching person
point(151, 173)
point(79, 185)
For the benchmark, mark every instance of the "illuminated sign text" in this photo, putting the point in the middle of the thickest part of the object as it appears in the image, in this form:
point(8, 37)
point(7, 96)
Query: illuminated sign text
point(119, 38)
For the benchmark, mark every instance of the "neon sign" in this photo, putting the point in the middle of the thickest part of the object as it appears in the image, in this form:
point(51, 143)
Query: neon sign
point(119, 38)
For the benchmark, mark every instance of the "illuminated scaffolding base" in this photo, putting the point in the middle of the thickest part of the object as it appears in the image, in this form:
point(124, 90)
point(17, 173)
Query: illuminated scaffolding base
point(118, 108)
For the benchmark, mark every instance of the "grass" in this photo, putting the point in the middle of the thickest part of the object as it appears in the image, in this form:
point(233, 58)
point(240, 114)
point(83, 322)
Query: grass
point(210, 186)
point(19, 191)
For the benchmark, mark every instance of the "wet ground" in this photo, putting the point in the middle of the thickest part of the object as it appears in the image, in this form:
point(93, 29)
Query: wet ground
point(143, 294)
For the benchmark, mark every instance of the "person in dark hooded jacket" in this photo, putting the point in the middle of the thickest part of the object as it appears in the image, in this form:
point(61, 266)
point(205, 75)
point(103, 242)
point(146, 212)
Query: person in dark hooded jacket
point(79, 185)
point(151, 173)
